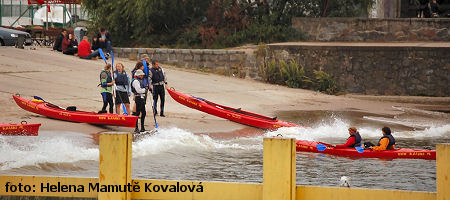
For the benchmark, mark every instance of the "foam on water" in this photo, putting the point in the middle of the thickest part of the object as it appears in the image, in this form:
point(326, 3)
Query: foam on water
point(18, 151)
point(175, 138)
point(339, 129)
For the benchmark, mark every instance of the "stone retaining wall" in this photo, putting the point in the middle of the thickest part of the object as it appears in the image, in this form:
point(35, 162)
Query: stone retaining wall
point(379, 70)
point(395, 70)
point(227, 62)
point(373, 30)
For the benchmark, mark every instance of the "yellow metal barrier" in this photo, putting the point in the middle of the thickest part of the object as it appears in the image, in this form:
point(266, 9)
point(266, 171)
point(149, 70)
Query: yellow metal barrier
point(343, 193)
point(279, 169)
point(115, 182)
point(443, 171)
point(115, 165)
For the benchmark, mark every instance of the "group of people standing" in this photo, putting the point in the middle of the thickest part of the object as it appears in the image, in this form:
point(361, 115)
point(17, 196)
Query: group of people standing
point(143, 80)
point(386, 142)
point(68, 44)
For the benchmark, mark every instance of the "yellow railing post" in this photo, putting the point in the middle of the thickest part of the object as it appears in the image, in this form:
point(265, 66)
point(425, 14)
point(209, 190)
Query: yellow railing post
point(279, 169)
point(115, 163)
point(443, 171)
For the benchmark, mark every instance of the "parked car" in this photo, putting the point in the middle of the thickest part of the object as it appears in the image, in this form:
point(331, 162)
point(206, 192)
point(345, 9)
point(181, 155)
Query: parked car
point(9, 37)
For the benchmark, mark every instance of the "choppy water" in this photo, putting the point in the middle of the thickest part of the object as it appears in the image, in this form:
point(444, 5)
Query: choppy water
point(178, 154)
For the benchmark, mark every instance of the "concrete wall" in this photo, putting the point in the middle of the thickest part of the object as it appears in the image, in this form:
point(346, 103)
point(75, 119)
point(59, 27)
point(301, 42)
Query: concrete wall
point(374, 30)
point(227, 62)
point(394, 70)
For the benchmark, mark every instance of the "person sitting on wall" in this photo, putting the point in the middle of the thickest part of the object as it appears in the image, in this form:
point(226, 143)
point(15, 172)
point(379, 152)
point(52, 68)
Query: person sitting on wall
point(431, 9)
point(104, 40)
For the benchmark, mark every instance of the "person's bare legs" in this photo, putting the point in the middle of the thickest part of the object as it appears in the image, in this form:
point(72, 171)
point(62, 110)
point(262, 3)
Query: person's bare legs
point(118, 109)
point(127, 106)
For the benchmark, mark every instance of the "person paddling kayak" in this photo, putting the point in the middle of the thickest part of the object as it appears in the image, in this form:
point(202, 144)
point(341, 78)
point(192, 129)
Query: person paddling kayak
point(353, 141)
point(387, 142)
point(138, 89)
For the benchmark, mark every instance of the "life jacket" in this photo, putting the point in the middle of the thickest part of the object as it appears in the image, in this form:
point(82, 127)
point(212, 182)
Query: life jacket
point(145, 78)
point(157, 75)
point(391, 141)
point(121, 78)
point(357, 139)
point(108, 78)
point(141, 83)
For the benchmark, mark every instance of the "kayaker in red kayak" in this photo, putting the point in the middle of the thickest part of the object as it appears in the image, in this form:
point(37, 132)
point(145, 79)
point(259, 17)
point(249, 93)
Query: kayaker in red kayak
point(138, 89)
point(106, 83)
point(353, 141)
point(387, 142)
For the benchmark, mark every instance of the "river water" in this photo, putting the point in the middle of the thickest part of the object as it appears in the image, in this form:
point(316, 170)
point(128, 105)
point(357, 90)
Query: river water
point(177, 154)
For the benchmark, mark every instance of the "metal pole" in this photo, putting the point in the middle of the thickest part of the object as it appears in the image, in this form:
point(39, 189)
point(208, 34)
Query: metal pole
point(32, 14)
point(1, 12)
point(76, 14)
point(64, 15)
point(20, 6)
point(11, 7)
point(46, 15)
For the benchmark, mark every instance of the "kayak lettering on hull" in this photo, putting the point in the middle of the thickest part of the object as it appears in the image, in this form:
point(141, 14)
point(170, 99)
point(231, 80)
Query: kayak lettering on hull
point(30, 105)
point(234, 116)
point(12, 128)
point(111, 118)
point(65, 114)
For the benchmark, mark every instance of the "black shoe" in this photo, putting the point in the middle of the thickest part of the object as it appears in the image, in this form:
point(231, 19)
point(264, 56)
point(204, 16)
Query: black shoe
point(101, 111)
point(162, 115)
point(143, 130)
point(155, 112)
point(136, 130)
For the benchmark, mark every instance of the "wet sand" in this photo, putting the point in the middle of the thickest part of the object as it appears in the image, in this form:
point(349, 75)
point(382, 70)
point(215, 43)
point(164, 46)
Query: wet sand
point(67, 80)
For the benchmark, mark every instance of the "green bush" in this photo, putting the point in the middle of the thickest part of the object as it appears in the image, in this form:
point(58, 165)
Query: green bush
point(324, 82)
point(294, 76)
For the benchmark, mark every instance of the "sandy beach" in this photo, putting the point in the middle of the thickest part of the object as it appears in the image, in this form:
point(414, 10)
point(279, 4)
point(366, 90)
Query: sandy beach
point(69, 81)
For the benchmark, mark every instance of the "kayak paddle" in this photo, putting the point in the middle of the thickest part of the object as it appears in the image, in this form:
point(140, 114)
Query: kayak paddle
point(102, 55)
point(153, 108)
point(321, 147)
point(359, 149)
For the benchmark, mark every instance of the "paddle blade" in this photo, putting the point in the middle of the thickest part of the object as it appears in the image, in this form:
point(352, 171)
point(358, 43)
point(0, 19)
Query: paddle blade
point(156, 125)
point(124, 109)
point(38, 98)
point(112, 58)
point(321, 147)
point(145, 67)
point(102, 54)
point(359, 149)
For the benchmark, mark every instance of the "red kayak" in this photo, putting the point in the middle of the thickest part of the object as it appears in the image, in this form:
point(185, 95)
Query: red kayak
point(233, 114)
point(47, 109)
point(22, 129)
point(309, 146)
